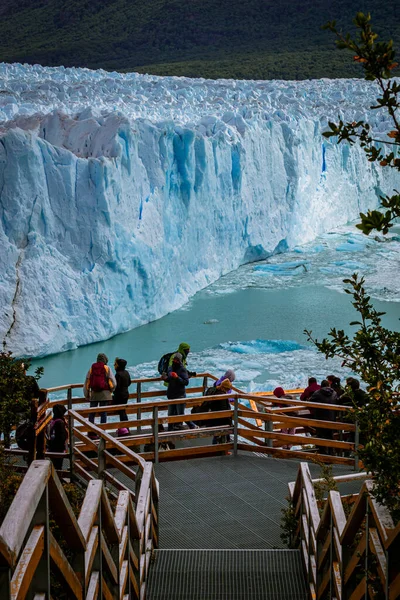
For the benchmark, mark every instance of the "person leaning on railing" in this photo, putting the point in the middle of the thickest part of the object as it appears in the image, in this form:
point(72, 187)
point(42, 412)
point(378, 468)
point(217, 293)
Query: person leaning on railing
point(99, 384)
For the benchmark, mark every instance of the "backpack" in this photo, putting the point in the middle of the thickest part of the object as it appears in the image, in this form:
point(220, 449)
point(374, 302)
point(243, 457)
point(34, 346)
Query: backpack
point(99, 377)
point(163, 363)
point(211, 391)
point(25, 435)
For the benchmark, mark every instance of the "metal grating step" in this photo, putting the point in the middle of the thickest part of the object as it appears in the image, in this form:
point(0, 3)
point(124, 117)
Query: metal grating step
point(226, 575)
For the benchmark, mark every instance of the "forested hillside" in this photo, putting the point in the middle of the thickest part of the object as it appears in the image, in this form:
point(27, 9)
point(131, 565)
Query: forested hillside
point(260, 39)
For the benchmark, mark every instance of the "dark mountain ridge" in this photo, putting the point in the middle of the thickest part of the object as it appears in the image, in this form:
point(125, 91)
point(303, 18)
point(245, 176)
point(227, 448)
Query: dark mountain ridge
point(210, 38)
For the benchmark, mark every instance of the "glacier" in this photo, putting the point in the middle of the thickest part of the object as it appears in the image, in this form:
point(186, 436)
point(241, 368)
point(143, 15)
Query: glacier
point(122, 195)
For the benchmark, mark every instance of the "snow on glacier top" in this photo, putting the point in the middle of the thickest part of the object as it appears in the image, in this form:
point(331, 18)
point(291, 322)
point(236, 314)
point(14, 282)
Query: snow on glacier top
point(210, 105)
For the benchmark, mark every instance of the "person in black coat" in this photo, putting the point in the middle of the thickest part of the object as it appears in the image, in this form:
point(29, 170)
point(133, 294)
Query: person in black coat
point(177, 379)
point(58, 434)
point(325, 395)
point(223, 389)
point(121, 392)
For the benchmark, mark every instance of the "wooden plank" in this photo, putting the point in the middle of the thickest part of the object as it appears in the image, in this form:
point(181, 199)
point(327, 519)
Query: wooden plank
point(292, 438)
point(355, 559)
point(393, 537)
point(108, 561)
point(377, 549)
point(142, 497)
point(339, 518)
point(382, 518)
point(27, 564)
point(121, 511)
point(355, 519)
point(64, 515)
point(394, 588)
point(21, 512)
point(94, 585)
point(114, 460)
point(107, 595)
point(192, 451)
point(298, 421)
point(123, 579)
point(360, 590)
point(107, 519)
point(324, 584)
point(123, 545)
point(337, 580)
point(302, 455)
point(324, 553)
point(90, 553)
point(59, 559)
point(88, 513)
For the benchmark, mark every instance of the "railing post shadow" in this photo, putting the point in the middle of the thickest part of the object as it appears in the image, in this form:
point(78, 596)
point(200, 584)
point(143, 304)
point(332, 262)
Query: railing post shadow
point(155, 433)
point(71, 434)
point(139, 399)
point(269, 426)
point(356, 444)
point(235, 426)
point(41, 579)
point(101, 459)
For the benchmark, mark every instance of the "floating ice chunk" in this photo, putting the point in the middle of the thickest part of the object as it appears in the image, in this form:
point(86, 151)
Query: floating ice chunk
point(350, 247)
point(261, 346)
point(287, 268)
point(211, 321)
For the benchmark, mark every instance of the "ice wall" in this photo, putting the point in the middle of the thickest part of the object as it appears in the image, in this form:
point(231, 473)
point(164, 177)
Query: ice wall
point(123, 195)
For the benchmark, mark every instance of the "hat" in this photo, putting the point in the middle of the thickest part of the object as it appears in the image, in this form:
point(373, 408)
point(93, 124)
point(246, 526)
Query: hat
point(177, 357)
point(225, 385)
point(121, 362)
point(279, 392)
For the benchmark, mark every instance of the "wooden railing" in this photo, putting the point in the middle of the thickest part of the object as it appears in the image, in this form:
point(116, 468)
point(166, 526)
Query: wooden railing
point(108, 551)
point(347, 558)
point(257, 424)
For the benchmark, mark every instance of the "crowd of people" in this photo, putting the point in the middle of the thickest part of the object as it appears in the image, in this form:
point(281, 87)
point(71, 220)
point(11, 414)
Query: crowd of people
point(104, 387)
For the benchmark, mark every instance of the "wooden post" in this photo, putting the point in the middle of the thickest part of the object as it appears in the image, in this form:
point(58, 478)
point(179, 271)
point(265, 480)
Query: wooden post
point(41, 579)
point(155, 433)
point(101, 461)
point(356, 444)
point(138, 400)
point(71, 435)
point(235, 426)
point(269, 426)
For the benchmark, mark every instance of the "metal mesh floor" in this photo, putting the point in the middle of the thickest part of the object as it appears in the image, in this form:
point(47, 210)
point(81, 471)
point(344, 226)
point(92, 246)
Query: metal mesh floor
point(226, 575)
point(225, 502)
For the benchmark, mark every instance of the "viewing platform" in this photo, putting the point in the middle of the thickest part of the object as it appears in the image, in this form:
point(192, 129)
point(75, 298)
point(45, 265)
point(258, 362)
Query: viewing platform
point(201, 520)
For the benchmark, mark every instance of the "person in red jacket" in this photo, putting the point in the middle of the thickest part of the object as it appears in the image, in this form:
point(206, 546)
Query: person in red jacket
point(312, 387)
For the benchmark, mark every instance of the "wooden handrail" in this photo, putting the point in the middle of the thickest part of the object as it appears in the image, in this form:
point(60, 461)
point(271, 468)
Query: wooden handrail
point(334, 565)
point(106, 546)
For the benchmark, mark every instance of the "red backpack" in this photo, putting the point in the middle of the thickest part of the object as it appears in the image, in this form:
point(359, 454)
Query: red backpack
point(99, 377)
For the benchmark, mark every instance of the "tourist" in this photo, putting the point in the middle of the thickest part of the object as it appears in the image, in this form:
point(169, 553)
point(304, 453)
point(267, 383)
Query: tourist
point(325, 395)
point(57, 436)
point(354, 396)
point(312, 387)
point(121, 392)
point(224, 388)
point(177, 379)
point(279, 392)
point(229, 374)
point(183, 350)
point(334, 383)
point(99, 384)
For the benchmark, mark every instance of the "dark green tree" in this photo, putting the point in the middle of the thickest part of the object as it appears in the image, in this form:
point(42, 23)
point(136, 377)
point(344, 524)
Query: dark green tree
point(373, 352)
point(15, 391)
point(378, 62)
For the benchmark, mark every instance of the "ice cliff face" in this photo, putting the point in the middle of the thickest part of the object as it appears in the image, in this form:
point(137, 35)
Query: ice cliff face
point(122, 195)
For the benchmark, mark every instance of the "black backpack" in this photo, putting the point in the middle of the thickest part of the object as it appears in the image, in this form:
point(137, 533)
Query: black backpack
point(25, 435)
point(211, 391)
point(164, 362)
